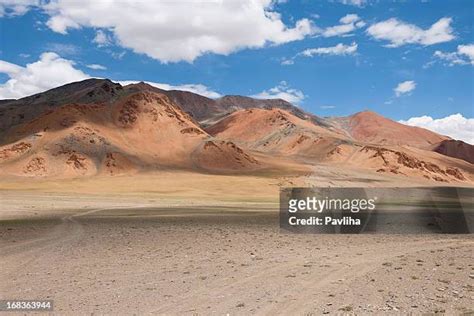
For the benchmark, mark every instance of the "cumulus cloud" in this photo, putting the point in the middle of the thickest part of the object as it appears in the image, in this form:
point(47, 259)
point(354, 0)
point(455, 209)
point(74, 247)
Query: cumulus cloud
point(173, 31)
point(450, 58)
point(399, 33)
point(455, 126)
point(282, 91)
point(191, 87)
point(349, 18)
point(349, 23)
point(339, 49)
point(96, 67)
point(16, 7)
point(404, 87)
point(51, 71)
point(9, 68)
point(467, 50)
point(463, 56)
point(48, 72)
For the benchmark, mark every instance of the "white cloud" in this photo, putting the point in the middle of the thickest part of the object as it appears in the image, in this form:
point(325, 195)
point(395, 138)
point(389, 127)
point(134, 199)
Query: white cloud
point(463, 56)
point(399, 33)
point(467, 50)
point(360, 24)
point(349, 18)
point(51, 71)
point(339, 49)
point(9, 68)
point(102, 39)
point(48, 72)
point(455, 126)
point(357, 3)
point(16, 7)
point(60, 24)
point(349, 23)
point(282, 91)
point(173, 31)
point(451, 58)
point(404, 87)
point(287, 62)
point(96, 67)
point(191, 87)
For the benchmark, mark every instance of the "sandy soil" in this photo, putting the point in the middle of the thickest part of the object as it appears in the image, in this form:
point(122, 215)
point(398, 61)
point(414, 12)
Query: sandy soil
point(141, 253)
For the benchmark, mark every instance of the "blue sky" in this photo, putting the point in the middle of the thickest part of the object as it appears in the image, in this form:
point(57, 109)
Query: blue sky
point(330, 57)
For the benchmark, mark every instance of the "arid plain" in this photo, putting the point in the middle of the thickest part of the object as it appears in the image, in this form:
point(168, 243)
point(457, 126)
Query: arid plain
point(211, 248)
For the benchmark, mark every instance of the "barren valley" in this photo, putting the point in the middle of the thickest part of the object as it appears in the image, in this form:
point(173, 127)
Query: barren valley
point(148, 254)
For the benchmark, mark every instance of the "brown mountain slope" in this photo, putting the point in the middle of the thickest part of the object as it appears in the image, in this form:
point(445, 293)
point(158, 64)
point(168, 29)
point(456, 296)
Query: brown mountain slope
point(402, 161)
point(275, 131)
point(370, 127)
point(197, 106)
point(278, 132)
point(200, 108)
point(99, 127)
point(456, 149)
point(208, 111)
point(89, 91)
point(139, 131)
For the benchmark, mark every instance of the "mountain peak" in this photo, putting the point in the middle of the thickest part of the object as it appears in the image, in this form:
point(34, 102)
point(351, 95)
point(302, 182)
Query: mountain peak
point(371, 127)
point(368, 114)
point(142, 86)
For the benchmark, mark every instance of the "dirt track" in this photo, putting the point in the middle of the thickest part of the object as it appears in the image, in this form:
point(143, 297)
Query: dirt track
point(107, 261)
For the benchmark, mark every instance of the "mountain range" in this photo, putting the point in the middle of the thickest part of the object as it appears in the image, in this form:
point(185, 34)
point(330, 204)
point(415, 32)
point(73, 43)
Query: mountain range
point(98, 127)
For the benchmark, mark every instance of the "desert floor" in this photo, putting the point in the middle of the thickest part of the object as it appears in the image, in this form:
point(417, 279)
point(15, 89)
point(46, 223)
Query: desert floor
point(212, 246)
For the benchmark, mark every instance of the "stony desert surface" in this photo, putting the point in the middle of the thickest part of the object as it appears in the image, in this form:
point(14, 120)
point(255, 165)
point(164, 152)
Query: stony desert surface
point(103, 248)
